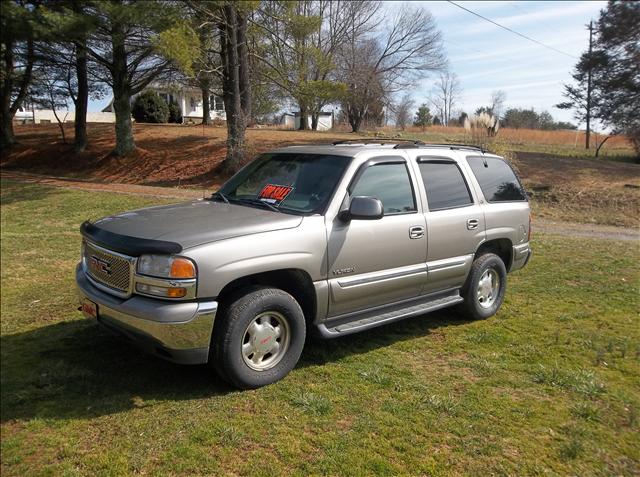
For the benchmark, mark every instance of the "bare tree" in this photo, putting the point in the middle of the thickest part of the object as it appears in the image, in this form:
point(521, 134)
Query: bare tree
point(402, 110)
point(498, 97)
point(445, 95)
point(49, 92)
point(302, 43)
point(375, 68)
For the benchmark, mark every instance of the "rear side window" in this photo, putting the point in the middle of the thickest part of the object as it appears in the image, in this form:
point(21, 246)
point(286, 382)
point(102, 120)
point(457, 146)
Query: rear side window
point(497, 180)
point(390, 184)
point(446, 188)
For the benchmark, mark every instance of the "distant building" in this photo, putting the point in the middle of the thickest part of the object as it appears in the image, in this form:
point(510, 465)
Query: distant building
point(188, 99)
point(44, 116)
point(292, 121)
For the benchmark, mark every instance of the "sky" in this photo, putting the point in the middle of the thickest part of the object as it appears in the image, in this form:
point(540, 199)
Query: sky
point(487, 58)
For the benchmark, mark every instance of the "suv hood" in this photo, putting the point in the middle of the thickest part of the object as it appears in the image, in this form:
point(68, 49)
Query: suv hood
point(197, 222)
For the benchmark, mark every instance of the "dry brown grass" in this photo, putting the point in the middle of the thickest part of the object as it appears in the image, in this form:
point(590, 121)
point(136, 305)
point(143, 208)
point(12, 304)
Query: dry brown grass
point(525, 136)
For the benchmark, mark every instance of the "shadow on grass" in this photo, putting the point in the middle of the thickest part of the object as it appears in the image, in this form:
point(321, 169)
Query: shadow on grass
point(76, 369)
point(14, 191)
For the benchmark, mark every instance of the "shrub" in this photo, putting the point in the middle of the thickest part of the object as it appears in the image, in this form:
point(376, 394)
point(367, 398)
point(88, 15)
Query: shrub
point(175, 115)
point(150, 108)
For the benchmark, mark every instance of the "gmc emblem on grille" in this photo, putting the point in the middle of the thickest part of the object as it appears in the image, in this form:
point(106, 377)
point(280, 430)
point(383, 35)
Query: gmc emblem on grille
point(99, 266)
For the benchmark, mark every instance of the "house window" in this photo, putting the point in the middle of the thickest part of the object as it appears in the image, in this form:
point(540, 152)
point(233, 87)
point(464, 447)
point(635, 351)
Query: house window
point(193, 103)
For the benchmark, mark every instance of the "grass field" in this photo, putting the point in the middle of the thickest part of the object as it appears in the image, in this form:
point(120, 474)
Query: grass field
point(560, 143)
point(549, 385)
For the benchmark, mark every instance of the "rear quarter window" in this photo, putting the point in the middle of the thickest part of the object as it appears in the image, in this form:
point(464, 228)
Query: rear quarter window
point(497, 180)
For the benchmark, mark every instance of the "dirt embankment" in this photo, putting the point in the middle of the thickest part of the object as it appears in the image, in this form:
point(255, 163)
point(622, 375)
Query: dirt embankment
point(166, 155)
point(568, 189)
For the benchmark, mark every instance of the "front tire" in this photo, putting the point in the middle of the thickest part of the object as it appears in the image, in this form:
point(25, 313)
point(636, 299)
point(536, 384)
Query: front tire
point(259, 338)
point(485, 288)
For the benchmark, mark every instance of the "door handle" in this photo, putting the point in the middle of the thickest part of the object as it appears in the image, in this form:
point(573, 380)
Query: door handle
point(472, 224)
point(416, 232)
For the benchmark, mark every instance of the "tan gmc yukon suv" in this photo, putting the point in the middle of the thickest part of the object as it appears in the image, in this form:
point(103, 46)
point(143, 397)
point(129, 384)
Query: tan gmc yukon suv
point(330, 239)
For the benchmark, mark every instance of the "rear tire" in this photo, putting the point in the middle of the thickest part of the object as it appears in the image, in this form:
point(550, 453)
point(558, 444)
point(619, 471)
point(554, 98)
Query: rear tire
point(485, 288)
point(258, 338)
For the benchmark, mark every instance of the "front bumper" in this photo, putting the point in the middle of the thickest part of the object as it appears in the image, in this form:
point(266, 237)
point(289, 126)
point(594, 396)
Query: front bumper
point(176, 331)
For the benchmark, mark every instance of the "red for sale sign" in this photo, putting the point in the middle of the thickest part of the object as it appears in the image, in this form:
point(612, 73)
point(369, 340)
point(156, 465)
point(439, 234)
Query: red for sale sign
point(274, 194)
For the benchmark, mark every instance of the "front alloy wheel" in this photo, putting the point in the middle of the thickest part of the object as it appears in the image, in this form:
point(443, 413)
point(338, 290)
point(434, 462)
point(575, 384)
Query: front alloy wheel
point(258, 337)
point(266, 341)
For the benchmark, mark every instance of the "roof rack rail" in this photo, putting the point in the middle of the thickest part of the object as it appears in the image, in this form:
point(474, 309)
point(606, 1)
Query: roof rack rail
point(447, 146)
point(378, 140)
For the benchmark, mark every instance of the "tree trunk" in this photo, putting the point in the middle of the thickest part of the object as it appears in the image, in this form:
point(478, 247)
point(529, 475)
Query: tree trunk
point(82, 101)
point(243, 60)
point(206, 105)
point(355, 120)
point(8, 109)
point(314, 121)
point(60, 122)
point(231, 90)
point(7, 139)
point(121, 95)
point(303, 117)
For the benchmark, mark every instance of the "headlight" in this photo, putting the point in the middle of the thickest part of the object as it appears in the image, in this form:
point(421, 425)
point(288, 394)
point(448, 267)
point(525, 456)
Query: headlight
point(166, 266)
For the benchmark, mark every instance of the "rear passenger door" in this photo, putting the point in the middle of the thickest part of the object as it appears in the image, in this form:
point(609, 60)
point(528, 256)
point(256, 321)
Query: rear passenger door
point(455, 222)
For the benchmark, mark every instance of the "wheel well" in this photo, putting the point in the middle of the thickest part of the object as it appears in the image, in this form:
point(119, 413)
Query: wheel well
point(295, 282)
point(503, 248)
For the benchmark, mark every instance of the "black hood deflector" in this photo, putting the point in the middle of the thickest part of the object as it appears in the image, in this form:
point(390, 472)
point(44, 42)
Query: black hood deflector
point(132, 246)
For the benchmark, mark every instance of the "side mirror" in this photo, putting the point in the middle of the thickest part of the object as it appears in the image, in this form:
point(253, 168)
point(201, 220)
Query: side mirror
point(362, 208)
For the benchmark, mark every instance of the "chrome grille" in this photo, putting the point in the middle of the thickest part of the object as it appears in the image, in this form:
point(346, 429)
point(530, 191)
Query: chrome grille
point(110, 269)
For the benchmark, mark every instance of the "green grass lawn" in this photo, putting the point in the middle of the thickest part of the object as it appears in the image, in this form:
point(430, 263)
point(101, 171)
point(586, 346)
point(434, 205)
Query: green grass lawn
point(551, 384)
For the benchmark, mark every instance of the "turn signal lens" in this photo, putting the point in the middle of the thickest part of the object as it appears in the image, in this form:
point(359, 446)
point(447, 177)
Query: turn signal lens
point(172, 292)
point(176, 292)
point(182, 268)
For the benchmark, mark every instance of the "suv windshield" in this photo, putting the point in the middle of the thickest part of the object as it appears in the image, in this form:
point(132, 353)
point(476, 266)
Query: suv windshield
point(298, 183)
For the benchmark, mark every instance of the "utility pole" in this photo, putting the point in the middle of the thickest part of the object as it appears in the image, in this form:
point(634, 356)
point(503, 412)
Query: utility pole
point(589, 85)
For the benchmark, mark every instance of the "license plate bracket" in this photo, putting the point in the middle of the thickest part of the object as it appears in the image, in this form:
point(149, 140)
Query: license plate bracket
point(89, 309)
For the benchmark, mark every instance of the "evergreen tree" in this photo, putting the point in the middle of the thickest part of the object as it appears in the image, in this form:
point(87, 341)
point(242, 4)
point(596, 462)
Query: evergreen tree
point(423, 117)
point(607, 79)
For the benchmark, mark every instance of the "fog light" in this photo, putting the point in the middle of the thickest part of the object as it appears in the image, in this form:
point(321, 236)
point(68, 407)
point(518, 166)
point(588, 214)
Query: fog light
point(172, 292)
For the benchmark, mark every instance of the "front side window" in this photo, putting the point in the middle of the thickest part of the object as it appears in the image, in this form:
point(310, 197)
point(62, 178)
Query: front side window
point(445, 186)
point(390, 183)
point(297, 183)
point(496, 178)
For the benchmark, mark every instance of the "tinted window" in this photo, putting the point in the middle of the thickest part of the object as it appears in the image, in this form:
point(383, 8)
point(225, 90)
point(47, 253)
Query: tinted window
point(446, 188)
point(497, 180)
point(391, 184)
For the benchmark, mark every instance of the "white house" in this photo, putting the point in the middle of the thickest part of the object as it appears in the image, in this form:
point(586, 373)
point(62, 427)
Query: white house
point(188, 99)
point(292, 121)
point(42, 116)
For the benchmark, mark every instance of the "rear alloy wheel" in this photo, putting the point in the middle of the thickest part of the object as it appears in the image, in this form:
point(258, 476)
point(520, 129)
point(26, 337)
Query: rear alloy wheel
point(258, 337)
point(484, 290)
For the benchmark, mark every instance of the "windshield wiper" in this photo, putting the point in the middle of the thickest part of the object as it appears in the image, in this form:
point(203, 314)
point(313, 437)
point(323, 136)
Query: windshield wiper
point(259, 202)
point(221, 195)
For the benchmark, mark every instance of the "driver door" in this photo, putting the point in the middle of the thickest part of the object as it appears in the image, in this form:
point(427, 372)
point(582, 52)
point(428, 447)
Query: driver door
point(376, 262)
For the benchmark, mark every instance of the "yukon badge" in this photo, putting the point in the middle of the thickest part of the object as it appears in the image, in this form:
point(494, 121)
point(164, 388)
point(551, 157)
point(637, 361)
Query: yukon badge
point(344, 271)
